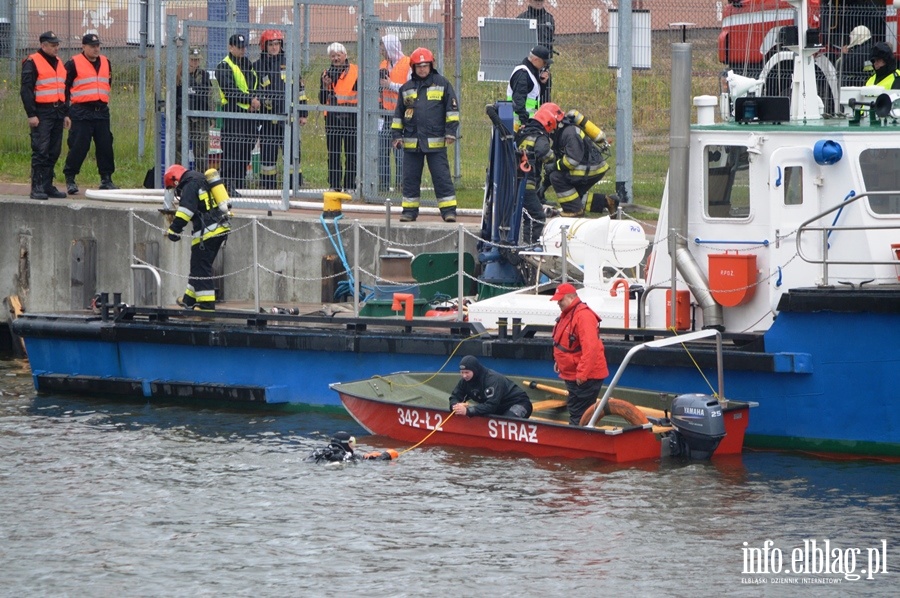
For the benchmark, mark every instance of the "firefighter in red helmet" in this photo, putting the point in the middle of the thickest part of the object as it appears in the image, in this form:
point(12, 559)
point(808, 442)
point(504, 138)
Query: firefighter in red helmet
point(534, 144)
point(426, 121)
point(203, 203)
point(271, 68)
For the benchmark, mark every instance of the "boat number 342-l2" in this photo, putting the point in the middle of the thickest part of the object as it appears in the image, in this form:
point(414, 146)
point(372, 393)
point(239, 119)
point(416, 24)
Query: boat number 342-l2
point(496, 428)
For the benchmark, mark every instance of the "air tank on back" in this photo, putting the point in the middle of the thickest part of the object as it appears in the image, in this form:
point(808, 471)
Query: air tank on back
point(616, 243)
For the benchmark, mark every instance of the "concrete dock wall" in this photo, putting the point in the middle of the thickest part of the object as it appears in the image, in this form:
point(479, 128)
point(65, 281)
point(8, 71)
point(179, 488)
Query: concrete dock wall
point(54, 253)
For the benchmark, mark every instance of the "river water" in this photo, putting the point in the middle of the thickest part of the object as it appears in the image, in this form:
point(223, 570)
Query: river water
point(110, 498)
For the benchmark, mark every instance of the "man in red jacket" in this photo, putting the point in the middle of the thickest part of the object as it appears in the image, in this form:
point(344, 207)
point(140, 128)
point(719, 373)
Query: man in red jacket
point(578, 351)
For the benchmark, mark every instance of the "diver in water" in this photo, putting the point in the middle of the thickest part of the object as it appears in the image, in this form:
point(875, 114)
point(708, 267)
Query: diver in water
point(342, 448)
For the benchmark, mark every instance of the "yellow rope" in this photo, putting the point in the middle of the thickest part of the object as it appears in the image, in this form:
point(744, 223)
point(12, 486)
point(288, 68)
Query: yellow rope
point(443, 421)
point(697, 365)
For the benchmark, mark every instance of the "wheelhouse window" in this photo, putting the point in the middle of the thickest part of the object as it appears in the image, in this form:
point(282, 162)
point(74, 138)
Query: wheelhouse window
point(880, 173)
point(727, 181)
point(793, 185)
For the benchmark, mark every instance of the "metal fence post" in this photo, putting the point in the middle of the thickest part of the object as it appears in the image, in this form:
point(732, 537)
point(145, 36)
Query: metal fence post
point(256, 263)
point(356, 267)
point(461, 271)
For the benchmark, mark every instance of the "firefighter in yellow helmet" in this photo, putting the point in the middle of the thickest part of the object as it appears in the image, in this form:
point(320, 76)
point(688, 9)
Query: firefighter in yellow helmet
point(426, 121)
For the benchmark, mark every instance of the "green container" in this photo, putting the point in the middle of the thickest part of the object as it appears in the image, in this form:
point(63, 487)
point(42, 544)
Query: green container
point(380, 308)
point(429, 267)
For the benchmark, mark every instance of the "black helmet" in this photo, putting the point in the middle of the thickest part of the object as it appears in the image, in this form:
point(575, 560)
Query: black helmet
point(883, 51)
point(344, 439)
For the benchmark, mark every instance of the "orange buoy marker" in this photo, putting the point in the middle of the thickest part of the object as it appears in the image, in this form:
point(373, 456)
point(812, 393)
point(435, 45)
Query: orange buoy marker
point(388, 455)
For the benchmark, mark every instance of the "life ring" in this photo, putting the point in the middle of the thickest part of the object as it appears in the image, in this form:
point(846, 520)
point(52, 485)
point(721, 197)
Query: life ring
point(623, 409)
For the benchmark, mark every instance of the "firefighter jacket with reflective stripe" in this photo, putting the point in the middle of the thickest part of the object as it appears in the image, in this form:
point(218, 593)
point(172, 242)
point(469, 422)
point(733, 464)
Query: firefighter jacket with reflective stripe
point(524, 91)
point(271, 71)
point(50, 83)
point(427, 113)
point(577, 155)
point(398, 74)
point(236, 79)
point(533, 142)
point(91, 82)
point(198, 206)
point(577, 349)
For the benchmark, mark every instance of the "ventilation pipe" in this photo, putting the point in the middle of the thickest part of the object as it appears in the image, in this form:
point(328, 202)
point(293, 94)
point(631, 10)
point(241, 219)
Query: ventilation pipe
point(679, 162)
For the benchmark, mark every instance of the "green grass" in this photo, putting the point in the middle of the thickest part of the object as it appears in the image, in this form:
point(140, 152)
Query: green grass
point(581, 80)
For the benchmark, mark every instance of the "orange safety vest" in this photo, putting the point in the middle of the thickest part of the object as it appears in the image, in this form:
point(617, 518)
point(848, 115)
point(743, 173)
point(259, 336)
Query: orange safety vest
point(399, 75)
point(50, 86)
point(343, 87)
point(90, 85)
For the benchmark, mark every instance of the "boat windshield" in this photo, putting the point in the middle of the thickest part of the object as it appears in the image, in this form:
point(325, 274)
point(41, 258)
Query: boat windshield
point(878, 175)
point(727, 181)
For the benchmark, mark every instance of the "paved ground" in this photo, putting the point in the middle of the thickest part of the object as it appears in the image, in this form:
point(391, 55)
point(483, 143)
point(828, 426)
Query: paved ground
point(22, 190)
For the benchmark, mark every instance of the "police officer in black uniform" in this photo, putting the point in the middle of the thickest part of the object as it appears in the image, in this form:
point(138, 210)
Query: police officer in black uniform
point(546, 28)
point(44, 98)
point(238, 83)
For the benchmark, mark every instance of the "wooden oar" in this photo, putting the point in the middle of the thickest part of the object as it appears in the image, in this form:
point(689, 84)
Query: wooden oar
point(548, 404)
point(648, 411)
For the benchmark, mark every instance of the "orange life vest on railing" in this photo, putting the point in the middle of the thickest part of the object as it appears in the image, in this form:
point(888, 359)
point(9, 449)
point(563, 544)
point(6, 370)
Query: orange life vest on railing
point(90, 85)
point(50, 86)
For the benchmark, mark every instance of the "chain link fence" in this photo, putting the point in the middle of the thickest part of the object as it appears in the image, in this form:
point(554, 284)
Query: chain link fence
point(584, 77)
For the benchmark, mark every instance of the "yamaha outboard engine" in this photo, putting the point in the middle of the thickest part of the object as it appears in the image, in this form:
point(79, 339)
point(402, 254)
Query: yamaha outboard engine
point(699, 426)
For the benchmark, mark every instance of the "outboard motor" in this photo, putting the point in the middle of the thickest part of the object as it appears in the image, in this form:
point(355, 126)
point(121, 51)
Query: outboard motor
point(699, 426)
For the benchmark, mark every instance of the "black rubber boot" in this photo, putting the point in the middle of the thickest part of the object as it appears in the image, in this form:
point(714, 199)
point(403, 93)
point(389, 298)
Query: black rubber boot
point(51, 191)
point(448, 214)
point(37, 185)
point(409, 215)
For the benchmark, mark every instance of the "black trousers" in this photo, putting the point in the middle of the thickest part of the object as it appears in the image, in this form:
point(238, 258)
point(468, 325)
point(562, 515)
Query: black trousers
point(201, 289)
point(438, 166)
point(83, 131)
point(581, 397)
point(238, 138)
point(340, 140)
point(534, 219)
point(46, 139)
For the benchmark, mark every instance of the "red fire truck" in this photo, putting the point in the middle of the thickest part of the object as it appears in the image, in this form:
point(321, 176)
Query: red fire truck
point(756, 36)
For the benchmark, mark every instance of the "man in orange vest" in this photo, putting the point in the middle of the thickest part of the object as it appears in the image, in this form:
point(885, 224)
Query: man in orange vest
point(43, 93)
point(394, 71)
point(88, 81)
point(338, 88)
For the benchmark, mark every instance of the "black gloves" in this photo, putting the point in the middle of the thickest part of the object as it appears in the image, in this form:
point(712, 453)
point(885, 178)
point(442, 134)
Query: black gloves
point(174, 237)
